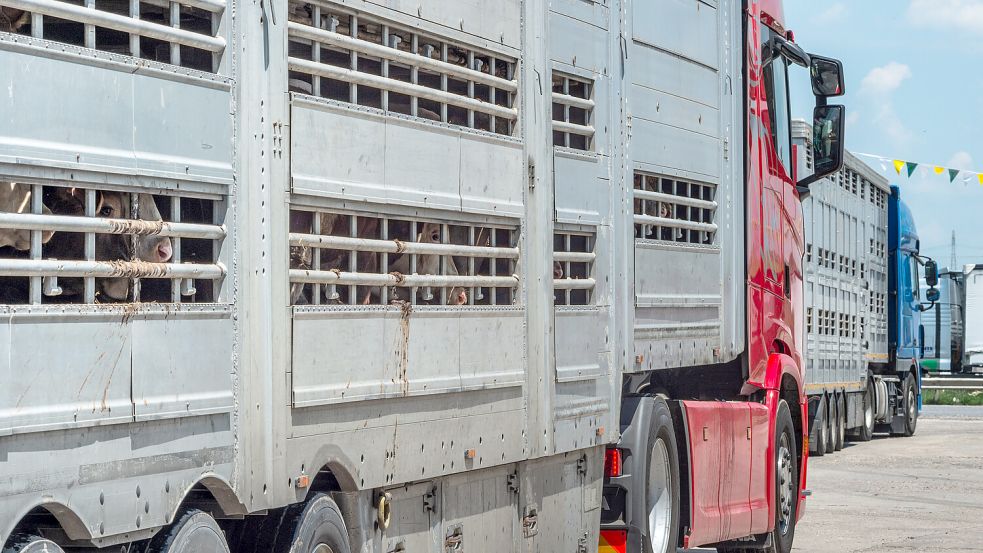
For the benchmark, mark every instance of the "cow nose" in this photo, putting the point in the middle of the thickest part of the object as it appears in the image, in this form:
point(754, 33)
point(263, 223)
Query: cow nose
point(164, 251)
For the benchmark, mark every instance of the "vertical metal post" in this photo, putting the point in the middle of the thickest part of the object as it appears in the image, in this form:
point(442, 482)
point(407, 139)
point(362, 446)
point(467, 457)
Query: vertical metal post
point(135, 214)
point(443, 260)
point(176, 248)
point(353, 259)
point(90, 30)
point(470, 89)
point(493, 268)
point(36, 208)
point(353, 32)
point(316, 256)
point(443, 81)
point(175, 13)
point(566, 111)
point(471, 238)
point(414, 75)
point(90, 245)
point(413, 238)
point(37, 25)
point(135, 37)
point(316, 56)
point(384, 266)
point(385, 69)
point(566, 268)
point(493, 121)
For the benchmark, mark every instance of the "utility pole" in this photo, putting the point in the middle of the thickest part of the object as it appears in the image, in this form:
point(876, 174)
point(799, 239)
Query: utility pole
point(953, 261)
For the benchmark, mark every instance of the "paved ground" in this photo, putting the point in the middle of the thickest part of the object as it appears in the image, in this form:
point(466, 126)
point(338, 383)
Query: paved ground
point(918, 494)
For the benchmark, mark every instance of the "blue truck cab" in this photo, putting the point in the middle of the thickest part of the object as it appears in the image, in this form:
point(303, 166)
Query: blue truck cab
point(906, 335)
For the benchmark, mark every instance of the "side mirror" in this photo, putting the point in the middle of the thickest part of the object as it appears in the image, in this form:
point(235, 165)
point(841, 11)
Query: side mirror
point(827, 142)
point(932, 295)
point(827, 76)
point(931, 274)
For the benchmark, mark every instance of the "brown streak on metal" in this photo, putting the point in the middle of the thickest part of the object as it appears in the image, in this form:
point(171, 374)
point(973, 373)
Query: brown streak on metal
point(400, 278)
point(400, 245)
point(135, 227)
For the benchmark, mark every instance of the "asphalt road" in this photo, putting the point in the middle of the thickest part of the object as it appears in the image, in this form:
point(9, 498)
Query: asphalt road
point(898, 495)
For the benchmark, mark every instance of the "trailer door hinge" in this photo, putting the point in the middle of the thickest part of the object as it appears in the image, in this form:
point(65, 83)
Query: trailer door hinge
point(582, 465)
point(430, 501)
point(512, 483)
point(532, 174)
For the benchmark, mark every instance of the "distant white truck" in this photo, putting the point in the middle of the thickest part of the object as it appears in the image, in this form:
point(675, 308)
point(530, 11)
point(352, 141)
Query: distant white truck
point(954, 327)
point(972, 358)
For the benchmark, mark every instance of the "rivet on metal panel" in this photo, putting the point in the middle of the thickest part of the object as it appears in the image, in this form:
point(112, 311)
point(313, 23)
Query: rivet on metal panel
point(706, 434)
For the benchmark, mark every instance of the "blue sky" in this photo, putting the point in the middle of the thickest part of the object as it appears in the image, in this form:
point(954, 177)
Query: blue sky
point(914, 71)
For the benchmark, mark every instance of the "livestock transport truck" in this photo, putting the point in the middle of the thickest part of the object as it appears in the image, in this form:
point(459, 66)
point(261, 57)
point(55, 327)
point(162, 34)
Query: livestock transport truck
point(428, 276)
point(863, 328)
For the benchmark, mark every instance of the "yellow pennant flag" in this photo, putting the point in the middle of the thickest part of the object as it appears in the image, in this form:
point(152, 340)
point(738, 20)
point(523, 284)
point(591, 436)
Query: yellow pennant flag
point(939, 170)
point(899, 165)
point(980, 176)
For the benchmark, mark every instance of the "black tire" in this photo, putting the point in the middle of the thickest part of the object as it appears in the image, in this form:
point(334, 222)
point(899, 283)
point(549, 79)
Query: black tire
point(865, 432)
point(818, 447)
point(194, 531)
point(30, 543)
point(313, 524)
point(910, 403)
point(839, 424)
point(786, 482)
point(830, 425)
point(661, 477)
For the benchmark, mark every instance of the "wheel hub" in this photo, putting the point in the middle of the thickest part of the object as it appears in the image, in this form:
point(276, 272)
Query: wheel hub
point(659, 497)
point(786, 487)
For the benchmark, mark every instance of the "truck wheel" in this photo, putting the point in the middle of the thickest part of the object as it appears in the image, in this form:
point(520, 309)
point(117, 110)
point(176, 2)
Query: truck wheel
point(194, 532)
point(910, 407)
point(661, 531)
point(786, 481)
point(315, 526)
point(818, 448)
point(29, 543)
point(839, 424)
point(829, 424)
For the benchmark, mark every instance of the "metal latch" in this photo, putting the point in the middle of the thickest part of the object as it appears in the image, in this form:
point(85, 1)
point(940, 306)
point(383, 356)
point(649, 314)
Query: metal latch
point(582, 465)
point(430, 501)
point(530, 523)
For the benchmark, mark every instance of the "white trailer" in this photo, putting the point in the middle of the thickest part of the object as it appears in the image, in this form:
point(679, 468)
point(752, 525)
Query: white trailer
point(355, 340)
point(973, 318)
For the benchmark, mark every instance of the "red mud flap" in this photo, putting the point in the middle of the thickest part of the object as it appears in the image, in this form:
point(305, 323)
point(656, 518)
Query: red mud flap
point(613, 541)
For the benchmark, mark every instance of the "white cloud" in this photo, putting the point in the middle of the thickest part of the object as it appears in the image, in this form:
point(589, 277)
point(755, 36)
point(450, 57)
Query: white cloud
point(832, 14)
point(966, 15)
point(852, 118)
point(882, 81)
point(878, 88)
point(962, 161)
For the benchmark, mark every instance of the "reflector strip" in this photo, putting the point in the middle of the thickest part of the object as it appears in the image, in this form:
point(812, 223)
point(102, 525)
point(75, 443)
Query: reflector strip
point(613, 541)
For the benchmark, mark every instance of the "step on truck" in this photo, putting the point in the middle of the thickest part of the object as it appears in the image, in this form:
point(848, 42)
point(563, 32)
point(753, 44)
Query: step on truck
point(713, 413)
point(864, 336)
point(381, 276)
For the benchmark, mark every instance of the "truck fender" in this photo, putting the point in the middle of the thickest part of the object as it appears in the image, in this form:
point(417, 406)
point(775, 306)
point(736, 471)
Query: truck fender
point(637, 415)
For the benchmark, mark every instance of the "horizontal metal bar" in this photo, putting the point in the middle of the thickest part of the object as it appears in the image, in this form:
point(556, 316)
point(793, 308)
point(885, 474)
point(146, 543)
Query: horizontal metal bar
point(398, 246)
point(392, 54)
point(572, 128)
point(573, 101)
point(107, 269)
point(64, 223)
point(400, 280)
point(120, 23)
point(575, 257)
point(672, 199)
point(213, 6)
point(674, 223)
point(574, 283)
point(399, 87)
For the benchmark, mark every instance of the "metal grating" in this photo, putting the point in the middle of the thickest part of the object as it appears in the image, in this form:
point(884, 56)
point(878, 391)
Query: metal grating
point(573, 112)
point(359, 59)
point(674, 210)
point(184, 33)
point(573, 268)
point(85, 246)
point(350, 259)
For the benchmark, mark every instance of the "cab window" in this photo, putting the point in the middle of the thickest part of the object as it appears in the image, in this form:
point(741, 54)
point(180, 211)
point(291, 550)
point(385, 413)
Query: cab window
point(775, 75)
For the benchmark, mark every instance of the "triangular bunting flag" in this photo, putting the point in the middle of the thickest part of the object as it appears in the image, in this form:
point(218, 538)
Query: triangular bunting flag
point(953, 173)
point(980, 176)
point(898, 165)
point(939, 170)
point(911, 168)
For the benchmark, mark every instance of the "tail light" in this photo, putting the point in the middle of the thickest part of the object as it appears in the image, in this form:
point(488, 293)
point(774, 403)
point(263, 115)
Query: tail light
point(612, 462)
point(613, 541)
